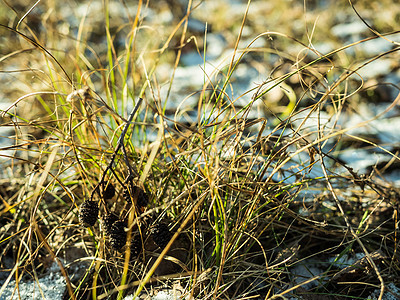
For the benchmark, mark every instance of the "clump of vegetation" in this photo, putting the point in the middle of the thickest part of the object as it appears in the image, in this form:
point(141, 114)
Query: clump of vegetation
point(228, 197)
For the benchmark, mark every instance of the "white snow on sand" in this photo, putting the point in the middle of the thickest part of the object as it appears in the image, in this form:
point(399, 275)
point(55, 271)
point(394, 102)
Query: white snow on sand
point(50, 287)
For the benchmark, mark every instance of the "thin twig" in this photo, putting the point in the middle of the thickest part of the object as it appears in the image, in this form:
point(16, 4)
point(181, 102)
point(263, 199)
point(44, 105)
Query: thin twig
point(119, 145)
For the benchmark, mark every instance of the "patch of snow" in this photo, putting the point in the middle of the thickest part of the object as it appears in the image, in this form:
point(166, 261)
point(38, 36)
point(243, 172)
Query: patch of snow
point(161, 295)
point(345, 261)
point(375, 68)
point(394, 293)
point(354, 28)
point(375, 46)
point(303, 272)
point(50, 287)
point(360, 160)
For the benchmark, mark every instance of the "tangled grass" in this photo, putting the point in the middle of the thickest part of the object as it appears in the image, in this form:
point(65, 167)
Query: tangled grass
point(244, 200)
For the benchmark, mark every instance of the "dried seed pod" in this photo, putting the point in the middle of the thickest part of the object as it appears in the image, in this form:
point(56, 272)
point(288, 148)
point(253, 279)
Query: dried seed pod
point(142, 199)
point(126, 195)
point(118, 235)
point(161, 234)
point(109, 191)
point(88, 213)
point(107, 221)
point(136, 246)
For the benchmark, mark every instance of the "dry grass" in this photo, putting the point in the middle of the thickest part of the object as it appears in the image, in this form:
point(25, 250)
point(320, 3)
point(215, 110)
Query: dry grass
point(247, 199)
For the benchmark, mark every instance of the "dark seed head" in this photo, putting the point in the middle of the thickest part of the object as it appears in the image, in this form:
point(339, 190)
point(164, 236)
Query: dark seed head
point(107, 221)
point(109, 191)
point(142, 199)
point(118, 235)
point(161, 234)
point(136, 246)
point(88, 213)
point(127, 196)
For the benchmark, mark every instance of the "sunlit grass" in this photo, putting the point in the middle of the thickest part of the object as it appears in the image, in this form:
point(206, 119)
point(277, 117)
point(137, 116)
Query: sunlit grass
point(246, 198)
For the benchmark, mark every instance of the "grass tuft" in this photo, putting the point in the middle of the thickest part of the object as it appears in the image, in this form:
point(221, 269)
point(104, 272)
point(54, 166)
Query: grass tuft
point(220, 191)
